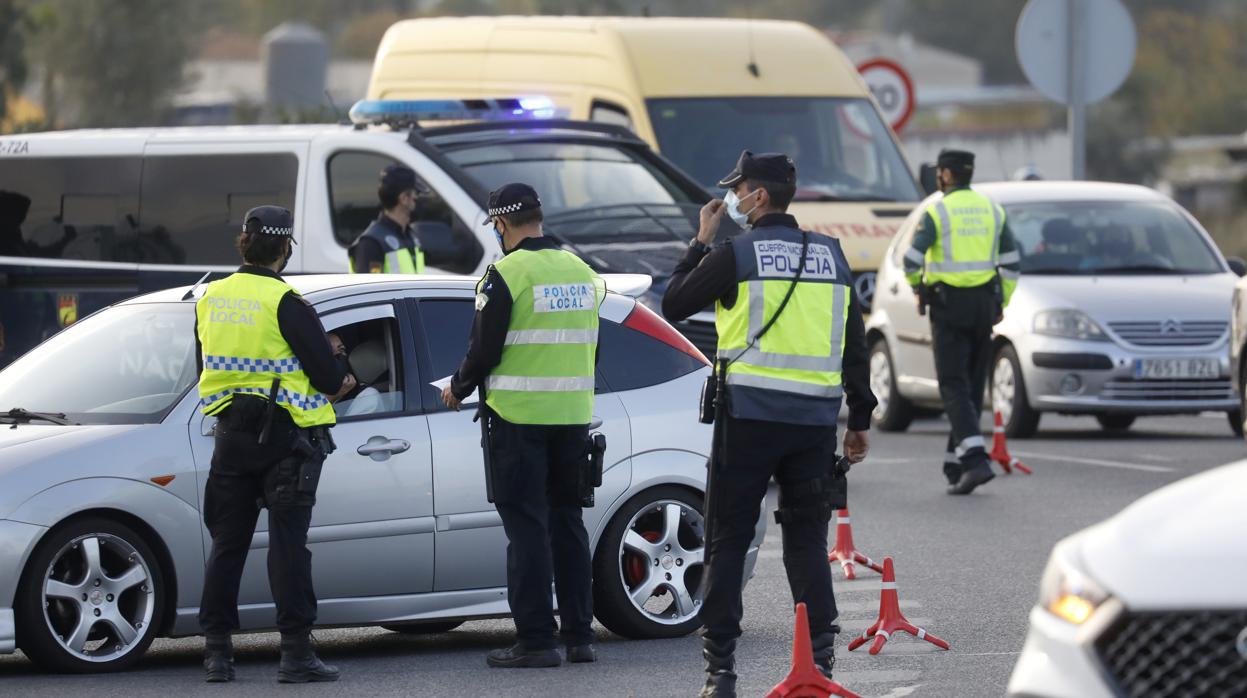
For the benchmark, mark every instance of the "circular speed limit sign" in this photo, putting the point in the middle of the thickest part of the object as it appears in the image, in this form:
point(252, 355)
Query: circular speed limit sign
point(893, 90)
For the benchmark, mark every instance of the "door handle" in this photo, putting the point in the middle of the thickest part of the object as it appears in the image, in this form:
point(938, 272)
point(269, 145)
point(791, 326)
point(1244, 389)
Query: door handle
point(380, 448)
point(596, 423)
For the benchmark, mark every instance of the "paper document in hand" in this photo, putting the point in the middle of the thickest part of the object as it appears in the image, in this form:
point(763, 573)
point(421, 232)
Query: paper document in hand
point(445, 383)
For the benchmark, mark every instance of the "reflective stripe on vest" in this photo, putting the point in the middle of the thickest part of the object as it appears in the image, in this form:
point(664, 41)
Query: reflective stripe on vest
point(552, 337)
point(529, 384)
point(960, 258)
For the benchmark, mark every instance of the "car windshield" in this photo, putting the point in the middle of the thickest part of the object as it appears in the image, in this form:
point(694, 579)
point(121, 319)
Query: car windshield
point(842, 150)
point(1114, 237)
point(125, 365)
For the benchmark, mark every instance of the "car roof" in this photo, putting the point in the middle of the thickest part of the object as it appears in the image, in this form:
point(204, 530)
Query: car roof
point(312, 285)
point(1036, 192)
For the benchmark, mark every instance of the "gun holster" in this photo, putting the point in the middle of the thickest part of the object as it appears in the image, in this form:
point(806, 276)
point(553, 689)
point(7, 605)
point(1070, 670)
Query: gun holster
point(591, 471)
point(709, 391)
point(295, 478)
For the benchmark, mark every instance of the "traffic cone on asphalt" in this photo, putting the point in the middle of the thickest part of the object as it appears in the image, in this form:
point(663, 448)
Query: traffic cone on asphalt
point(805, 680)
point(844, 551)
point(891, 620)
point(1000, 451)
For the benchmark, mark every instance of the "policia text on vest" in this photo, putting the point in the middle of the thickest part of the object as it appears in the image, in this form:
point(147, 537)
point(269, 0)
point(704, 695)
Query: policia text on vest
point(533, 352)
point(792, 346)
point(266, 369)
point(964, 266)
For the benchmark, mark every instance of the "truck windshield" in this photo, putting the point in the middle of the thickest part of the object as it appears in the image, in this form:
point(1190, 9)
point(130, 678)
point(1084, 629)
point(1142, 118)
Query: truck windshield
point(842, 150)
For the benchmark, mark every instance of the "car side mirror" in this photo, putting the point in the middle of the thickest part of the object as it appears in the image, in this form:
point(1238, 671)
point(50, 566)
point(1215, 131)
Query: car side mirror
point(1237, 265)
point(926, 177)
point(445, 250)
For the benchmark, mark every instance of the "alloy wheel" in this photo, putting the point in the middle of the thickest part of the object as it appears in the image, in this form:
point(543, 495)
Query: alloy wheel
point(1004, 388)
point(662, 559)
point(881, 381)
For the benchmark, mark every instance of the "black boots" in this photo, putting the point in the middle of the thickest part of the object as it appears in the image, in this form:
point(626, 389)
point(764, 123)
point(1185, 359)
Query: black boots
point(825, 660)
point(299, 663)
point(720, 670)
point(218, 659)
point(972, 478)
point(516, 657)
point(581, 654)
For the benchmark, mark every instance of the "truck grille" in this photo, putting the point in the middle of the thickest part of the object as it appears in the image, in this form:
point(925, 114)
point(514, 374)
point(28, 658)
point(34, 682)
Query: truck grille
point(1171, 333)
point(1178, 653)
point(1163, 390)
point(702, 335)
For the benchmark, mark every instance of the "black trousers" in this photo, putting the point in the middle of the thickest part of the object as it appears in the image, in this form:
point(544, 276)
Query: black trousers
point(795, 455)
point(231, 509)
point(961, 330)
point(536, 492)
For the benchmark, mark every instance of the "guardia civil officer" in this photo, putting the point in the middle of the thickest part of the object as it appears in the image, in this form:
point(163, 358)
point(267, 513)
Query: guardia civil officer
point(533, 348)
point(964, 266)
point(266, 369)
point(388, 245)
point(788, 364)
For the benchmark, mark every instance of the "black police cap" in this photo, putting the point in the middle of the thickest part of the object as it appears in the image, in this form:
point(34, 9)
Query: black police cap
point(273, 220)
point(956, 160)
point(400, 178)
point(512, 198)
point(767, 167)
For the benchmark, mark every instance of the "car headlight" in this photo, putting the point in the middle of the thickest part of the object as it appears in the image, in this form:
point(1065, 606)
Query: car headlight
point(1067, 591)
point(1070, 323)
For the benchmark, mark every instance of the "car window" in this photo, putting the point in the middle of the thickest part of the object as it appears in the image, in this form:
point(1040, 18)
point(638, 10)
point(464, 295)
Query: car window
point(373, 350)
point(353, 179)
point(629, 359)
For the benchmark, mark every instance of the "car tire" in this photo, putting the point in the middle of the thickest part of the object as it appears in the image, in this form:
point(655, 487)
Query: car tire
point(432, 627)
point(1115, 421)
point(1236, 421)
point(647, 574)
point(92, 598)
point(1021, 421)
point(894, 412)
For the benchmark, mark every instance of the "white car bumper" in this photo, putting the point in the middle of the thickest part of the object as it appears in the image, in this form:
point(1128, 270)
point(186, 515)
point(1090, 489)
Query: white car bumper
point(1058, 660)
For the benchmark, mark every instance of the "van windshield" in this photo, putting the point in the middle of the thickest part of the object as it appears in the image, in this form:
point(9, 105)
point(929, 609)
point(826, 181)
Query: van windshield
point(842, 150)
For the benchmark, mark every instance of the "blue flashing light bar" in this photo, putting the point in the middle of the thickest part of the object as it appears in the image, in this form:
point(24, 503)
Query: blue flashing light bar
point(413, 111)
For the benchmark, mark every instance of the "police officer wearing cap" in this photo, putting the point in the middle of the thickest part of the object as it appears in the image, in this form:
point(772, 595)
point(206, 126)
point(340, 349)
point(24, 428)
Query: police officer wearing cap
point(266, 369)
point(388, 245)
point(964, 265)
point(791, 346)
point(533, 349)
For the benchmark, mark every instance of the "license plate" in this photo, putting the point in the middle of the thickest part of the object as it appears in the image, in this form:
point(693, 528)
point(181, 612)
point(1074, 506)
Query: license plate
point(1176, 368)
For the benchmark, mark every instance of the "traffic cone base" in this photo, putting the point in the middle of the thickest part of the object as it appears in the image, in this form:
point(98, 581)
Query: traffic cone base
point(805, 680)
point(891, 620)
point(844, 551)
point(1000, 450)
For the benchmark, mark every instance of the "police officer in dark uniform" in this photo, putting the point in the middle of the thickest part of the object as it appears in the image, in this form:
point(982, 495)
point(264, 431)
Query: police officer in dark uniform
point(388, 245)
point(533, 349)
point(789, 347)
point(964, 265)
point(266, 368)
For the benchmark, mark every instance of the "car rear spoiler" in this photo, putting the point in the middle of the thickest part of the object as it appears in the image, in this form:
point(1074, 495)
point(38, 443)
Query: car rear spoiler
point(631, 285)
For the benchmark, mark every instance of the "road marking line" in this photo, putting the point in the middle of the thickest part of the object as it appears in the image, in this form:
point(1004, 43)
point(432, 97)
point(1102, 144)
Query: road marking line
point(1095, 461)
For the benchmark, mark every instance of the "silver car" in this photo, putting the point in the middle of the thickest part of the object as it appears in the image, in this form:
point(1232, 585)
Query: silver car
point(102, 547)
point(1123, 310)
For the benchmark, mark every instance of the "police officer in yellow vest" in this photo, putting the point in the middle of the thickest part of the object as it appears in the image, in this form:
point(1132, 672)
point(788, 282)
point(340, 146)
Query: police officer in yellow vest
point(964, 265)
point(789, 364)
point(533, 348)
point(266, 371)
point(388, 245)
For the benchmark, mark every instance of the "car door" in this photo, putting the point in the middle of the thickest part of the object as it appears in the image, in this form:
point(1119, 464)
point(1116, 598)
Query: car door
point(912, 353)
point(471, 545)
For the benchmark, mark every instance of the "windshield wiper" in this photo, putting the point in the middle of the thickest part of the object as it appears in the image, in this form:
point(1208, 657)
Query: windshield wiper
point(20, 415)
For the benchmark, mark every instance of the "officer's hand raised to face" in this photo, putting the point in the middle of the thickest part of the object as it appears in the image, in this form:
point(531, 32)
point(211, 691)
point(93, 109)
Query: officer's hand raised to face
point(856, 445)
point(711, 214)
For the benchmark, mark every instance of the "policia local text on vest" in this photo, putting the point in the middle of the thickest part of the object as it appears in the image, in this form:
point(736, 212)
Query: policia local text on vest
point(533, 348)
point(964, 266)
point(788, 366)
point(388, 245)
point(265, 371)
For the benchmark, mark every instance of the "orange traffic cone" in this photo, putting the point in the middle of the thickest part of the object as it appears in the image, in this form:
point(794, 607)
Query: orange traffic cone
point(805, 680)
point(891, 620)
point(1000, 452)
point(845, 551)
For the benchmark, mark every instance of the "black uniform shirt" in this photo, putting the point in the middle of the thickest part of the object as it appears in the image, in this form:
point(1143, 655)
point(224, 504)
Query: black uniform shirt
point(301, 328)
point(367, 255)
point(702, 278)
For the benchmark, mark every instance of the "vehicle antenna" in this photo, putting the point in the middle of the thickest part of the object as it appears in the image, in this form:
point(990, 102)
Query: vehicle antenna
point(753, 62)
point(191, 293)
point(342, 118)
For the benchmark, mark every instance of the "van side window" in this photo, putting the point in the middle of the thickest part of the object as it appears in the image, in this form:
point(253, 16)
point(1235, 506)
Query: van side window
point(70, 208)
point(353, 179)
point(193, 204)
point(610, 113)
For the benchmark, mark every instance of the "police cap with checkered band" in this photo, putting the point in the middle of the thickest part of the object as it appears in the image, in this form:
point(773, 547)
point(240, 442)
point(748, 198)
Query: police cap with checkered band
point(273, 220)
point(511, 198)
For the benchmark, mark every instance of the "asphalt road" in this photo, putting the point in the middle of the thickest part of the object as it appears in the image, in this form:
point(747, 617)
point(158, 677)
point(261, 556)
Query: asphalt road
point(967, 568)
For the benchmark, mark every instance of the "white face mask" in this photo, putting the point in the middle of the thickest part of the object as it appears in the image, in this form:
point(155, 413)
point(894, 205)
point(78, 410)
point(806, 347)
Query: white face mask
point(731, 200)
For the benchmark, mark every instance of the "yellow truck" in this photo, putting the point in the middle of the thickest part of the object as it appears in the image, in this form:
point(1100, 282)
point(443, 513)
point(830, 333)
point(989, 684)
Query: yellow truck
point(698, 90)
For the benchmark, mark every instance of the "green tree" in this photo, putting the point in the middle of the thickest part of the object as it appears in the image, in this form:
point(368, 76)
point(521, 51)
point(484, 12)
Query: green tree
point(13, 27)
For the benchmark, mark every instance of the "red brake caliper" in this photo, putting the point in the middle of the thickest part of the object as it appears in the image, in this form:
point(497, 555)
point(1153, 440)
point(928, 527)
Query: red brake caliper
point(636, 563)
